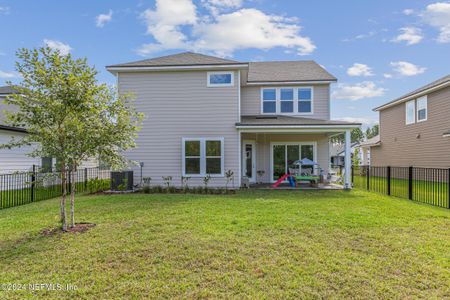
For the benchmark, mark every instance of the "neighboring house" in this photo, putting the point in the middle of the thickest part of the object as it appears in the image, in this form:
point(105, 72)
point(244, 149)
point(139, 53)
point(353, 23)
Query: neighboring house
point(366, 147)
point(207, 115)
point(337, 153)
point(414, 129)
point(16, 159)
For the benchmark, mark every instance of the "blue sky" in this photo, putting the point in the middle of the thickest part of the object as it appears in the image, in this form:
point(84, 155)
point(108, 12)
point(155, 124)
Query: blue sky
point(378, 50)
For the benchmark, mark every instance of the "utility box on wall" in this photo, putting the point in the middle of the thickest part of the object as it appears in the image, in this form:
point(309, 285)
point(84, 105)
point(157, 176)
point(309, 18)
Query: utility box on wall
point(122, 181)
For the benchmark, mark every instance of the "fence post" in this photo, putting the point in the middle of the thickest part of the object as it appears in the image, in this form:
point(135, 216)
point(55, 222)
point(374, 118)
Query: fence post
point(389, 180)
point(368, 177)
point(33, 182)
point(410, 183)
point(353, 174)
point(85, 178)
point(448, 188)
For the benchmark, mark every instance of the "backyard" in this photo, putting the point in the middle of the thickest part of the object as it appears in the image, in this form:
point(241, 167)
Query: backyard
point(254, 244)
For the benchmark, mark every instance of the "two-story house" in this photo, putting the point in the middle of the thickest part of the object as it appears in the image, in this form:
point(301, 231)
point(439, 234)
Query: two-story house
point(415, 128)
point(207, 115)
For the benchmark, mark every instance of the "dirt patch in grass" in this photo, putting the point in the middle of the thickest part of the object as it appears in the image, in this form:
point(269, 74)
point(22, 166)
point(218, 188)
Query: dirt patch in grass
point(79, 228)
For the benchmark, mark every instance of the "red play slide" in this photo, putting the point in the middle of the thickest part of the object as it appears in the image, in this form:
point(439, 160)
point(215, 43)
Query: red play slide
point(280, 180)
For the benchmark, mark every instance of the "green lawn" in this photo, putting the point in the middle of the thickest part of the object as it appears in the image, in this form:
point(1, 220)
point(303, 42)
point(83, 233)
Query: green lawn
point(255, 244)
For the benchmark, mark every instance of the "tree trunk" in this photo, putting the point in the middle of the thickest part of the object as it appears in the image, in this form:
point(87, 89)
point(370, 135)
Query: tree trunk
point(63, 199)
point(72, 198)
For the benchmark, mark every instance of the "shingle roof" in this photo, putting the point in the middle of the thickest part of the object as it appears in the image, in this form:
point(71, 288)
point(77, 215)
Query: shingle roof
point(270, 71)
point(6, 90)
point(286, 121)
point(279, 71)
point(419, 90)
point(372, 141)
point(180, 59)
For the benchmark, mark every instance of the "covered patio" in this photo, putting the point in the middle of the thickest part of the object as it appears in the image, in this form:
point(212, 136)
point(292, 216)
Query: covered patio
point(271, 144)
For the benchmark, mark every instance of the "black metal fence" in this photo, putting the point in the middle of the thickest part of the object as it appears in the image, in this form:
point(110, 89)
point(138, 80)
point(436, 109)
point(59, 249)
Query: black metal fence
point(427, 185)
point(27, 187)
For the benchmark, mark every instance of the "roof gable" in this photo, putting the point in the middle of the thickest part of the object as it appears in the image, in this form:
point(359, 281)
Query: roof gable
point(432, 85)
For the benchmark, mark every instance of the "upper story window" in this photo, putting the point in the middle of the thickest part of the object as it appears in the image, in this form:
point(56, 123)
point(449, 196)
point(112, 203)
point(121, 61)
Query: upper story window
point(269, 98)
point(304, 100)
point(416, 110)
point(218, 79)
point(287, 100)
point(422, 109)
point(410, 112)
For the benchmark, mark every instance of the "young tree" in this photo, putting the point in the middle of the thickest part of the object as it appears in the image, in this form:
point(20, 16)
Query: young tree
point(372, 132)
point(356, 136)
point(69, 115)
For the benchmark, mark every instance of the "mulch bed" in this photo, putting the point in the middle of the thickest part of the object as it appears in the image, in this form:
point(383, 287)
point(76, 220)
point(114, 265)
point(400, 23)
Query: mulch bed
point(79, 228)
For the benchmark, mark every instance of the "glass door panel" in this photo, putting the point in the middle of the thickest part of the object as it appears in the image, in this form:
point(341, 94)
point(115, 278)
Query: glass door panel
point(293, 154)
point(279, 161)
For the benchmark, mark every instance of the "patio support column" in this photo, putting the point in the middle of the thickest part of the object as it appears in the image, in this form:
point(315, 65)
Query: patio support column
point(348, 160)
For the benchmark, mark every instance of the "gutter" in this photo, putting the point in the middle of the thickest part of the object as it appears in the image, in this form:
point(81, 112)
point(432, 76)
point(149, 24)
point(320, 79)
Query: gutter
point(115, 69)
point(286, 126)
point(413, 96)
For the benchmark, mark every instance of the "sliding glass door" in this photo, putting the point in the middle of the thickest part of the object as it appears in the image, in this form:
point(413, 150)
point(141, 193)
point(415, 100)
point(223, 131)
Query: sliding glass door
point(285, 154)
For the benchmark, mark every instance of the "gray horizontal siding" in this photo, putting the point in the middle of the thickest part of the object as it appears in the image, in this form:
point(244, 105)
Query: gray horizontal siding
point(420, 144)
point(251, 101)
point(177, 105)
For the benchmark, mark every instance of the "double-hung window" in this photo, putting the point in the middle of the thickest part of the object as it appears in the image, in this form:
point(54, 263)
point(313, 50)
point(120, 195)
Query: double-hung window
point(422, 109)
point(410, 112)
point(220, 79)
point(202, 156)
point(269, 98)
point(286, 100)
point(304, 100)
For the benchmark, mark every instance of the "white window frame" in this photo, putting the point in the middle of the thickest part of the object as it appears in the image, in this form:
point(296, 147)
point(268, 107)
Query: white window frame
point(203, 156)
point(208, 74)
point(312, 99)
point(278, 100)
point(293, 98)
point(413, 102)
point(425, 99)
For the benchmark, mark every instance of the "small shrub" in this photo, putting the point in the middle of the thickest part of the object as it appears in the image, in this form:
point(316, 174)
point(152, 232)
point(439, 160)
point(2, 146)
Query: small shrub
point(147, 181)
point(206, 180)
point(230, 177)
point(146, 189)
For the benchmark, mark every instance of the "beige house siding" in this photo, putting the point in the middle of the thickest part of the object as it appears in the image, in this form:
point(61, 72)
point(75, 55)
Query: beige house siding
point(4, 107)
point(177, 105)
point(419, 144)
point(13, 160)
point(251, 101)
point(263, 144)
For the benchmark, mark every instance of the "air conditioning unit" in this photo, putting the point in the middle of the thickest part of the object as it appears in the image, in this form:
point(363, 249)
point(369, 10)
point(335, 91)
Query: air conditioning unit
point(121, 180)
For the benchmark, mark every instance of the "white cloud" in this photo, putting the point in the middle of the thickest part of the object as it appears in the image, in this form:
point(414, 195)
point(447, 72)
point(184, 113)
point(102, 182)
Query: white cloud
point(64, 49)
point(359, 70)
point(410, 35)
point(408, 11)
point(404, 68)
point(438, 16)
point(4, 10)
point(102, 19)
point(8, 75)
point(366, 89)
point(175, 24)
point(387, 75)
